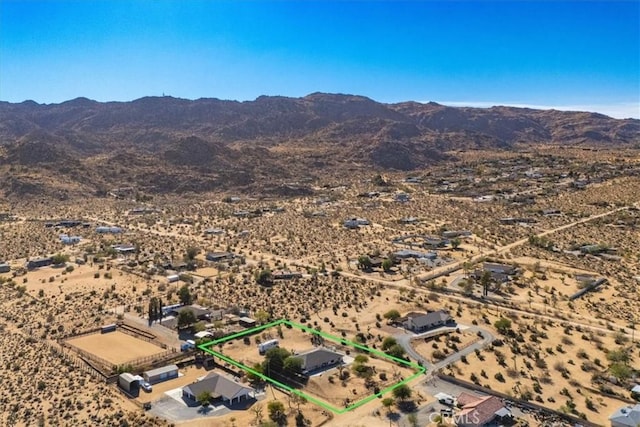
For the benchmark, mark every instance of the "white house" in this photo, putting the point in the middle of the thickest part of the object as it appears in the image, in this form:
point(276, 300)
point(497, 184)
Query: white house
point(221, 388)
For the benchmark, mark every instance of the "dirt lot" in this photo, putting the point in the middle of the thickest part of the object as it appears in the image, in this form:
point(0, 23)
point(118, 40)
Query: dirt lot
point(115, 347)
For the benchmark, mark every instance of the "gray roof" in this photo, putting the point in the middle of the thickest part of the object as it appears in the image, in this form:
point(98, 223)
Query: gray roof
point(431, 318)
point(128, 377)
point(317, 356)
point(627, 415)
point(162, 370)
point(218, 385)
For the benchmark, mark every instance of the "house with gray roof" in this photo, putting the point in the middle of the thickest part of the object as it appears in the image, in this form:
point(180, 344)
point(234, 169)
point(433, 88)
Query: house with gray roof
point(627, 416)
point(425, 322)
point(221, 387)
point(317, 359)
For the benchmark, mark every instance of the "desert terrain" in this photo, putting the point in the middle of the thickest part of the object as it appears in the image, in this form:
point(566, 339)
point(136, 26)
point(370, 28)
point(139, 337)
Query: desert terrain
point(563, 219)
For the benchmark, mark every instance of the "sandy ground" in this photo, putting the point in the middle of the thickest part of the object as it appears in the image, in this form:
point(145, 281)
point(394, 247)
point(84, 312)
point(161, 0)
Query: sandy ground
point(116, 347)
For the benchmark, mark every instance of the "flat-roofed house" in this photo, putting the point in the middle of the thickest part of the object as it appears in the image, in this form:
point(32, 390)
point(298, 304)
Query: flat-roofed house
point(319, 359)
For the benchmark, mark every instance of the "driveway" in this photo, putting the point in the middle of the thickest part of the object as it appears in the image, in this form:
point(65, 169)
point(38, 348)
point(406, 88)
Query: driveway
point(404, 340)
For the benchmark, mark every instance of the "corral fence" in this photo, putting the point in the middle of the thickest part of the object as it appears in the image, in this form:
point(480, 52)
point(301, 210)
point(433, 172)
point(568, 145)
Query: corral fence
point(545, 415)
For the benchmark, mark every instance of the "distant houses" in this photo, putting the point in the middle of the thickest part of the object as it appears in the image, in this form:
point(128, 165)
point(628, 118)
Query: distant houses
point(220, 256)
point(70, 240)
point(355, 223)
point(500, 273)
point(39, 262)
point(124, 249)
point(285, 275)
point(108, 230)
point(409, 253)
point(516, 220)
point(213, 232)
point(452, 234)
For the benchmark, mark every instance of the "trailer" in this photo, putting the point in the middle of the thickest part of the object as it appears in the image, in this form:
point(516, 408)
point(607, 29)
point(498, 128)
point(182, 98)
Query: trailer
point(265, 346)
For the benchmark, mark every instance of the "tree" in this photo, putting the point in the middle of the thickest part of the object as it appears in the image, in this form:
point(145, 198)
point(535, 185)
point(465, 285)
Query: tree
point(364, 263)
point(485, 281)
point(455, 243)
point(388, 402)
point(60, 258)
point(503, 325)
point(412, 418)
point(293, 365)
point(388, 343)
point(276, 411)
point(467, 287)
point(274, 360)
point(261, 316)
point(392, 315)
point(186, 318)
point(257, 411)
point(191, 253)
point(204, 398)
point(396, 351)
point(263, 277)
point(402, 392)
point(387, 264)
point(620, 371)
point(301, 421)
point(618, 355)
point(184, 294)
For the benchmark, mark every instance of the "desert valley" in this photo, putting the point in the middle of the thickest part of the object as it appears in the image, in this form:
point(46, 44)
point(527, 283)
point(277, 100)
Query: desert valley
point(326, 260)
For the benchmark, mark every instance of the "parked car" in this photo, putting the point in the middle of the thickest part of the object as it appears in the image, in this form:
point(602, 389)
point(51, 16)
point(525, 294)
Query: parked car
point(146, 386)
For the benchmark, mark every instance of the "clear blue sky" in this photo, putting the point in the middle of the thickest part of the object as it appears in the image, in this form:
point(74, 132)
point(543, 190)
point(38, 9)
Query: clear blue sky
point(566, 54)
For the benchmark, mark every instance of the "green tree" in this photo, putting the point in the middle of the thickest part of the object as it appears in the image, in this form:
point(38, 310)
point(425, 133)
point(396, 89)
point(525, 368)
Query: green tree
point(392, 315)
point(276, 411)
point(618, 355)
point(364, 263)
point(184, 294)
point(262, 316)
point(503, 325)
point(293, 365)
point(485, 281)
point(388, 402)
point(396, 351)
point(412, 418)
point(274, 360)
point(402, 392)
point(204, 398)
point(620, 370)
point(191, 253)
point(388, 343)
point(467, 287)
point(455, 243)
point(186, 318)
point(264, 277)
point(387, 264)
point(60, 258)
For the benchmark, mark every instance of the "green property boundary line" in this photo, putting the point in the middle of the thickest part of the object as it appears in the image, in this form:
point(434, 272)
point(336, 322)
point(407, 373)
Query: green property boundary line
point(420, 370)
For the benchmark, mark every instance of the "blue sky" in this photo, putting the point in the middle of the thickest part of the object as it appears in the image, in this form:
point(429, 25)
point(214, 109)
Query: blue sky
point(568, 55)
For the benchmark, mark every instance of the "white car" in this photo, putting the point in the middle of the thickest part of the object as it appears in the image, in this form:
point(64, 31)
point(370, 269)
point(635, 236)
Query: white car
point(146, 386)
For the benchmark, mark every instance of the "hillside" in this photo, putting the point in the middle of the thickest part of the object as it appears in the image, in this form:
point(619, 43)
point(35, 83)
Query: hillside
point(168, 144)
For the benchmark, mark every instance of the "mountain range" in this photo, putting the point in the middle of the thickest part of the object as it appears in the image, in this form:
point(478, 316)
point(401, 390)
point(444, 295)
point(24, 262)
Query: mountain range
point(165, 144)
